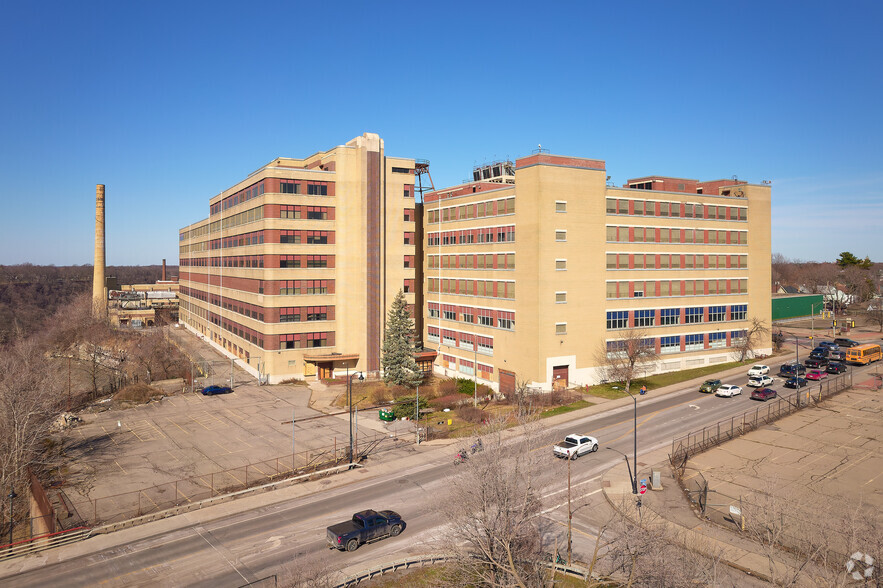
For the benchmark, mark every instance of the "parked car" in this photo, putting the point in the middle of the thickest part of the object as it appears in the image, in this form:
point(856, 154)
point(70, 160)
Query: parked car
point(837, 355)
point(759, 370)
point(829, 345)
point(820, 352)
point(212, 390)
point(763, 394)
point(710, 386)
point(728, 391)
point(816, 362)
point(759, 381)
point(791, 369)
point(845, 342)
point(835, 367)
point(816, 375)
point(796, 383)
point(574, 446)
point(364, 527)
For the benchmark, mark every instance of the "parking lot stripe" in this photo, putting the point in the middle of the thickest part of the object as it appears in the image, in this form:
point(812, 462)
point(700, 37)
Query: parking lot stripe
point(121, 467)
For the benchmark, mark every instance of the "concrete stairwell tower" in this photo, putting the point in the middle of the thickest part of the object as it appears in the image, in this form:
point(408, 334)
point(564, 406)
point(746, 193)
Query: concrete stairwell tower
point(99, 298)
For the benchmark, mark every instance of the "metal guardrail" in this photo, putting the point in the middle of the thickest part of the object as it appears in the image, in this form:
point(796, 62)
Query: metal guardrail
point(429, 560)
point(44, 542)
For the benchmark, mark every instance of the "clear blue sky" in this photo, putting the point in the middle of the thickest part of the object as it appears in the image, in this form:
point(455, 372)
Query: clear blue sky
point(169, 103)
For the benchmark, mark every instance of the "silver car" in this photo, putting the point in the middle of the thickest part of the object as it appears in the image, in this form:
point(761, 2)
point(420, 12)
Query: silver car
point(728, 390)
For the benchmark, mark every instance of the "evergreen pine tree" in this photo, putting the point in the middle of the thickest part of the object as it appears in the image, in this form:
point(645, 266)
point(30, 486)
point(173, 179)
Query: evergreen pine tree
point(399, 366)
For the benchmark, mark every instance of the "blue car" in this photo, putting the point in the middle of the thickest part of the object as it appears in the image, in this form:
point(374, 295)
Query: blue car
point(212, 390)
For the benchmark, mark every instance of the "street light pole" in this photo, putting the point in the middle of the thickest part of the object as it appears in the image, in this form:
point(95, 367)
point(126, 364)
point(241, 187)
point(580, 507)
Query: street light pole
point(349, 401)
point(635, 472)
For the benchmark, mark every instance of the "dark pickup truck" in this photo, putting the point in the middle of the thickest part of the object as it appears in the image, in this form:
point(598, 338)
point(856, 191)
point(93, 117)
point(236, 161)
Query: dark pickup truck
point(364, 527)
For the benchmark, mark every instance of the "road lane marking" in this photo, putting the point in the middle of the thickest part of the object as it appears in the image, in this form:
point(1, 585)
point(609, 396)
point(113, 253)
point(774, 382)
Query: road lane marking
point(572, 486)
point(556, 507)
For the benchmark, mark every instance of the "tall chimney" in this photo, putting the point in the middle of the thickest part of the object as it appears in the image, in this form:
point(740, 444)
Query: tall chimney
point(164, 270)
point(99, 299)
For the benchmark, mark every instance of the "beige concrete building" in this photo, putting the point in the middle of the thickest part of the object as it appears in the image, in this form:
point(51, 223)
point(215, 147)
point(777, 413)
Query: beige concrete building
point(536, 281)
point(296, 266)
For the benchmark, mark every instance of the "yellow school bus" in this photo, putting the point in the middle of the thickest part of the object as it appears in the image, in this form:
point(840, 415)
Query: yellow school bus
point(863, 354)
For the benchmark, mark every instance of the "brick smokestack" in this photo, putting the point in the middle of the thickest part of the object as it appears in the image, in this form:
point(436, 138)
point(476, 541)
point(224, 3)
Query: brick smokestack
point(164, 270)
point(99, 299)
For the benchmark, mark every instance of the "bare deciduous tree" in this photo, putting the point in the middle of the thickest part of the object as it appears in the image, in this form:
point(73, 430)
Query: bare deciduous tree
point(754, 335)
point(496, 532)
point(627, 358)
point(309, 572)
point(30, 397)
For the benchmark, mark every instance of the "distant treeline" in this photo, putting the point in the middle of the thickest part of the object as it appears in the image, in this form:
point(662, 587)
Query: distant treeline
point(29, 294)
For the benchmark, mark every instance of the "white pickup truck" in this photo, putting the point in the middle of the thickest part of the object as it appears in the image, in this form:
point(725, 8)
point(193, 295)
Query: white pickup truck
point(574, 446)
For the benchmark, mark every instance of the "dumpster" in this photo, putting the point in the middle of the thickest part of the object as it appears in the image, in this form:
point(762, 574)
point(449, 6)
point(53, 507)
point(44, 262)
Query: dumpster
point(386, 415)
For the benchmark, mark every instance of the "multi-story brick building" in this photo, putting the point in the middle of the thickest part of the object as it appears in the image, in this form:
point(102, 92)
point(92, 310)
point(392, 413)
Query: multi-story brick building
point(297, 264)
point(536, 281)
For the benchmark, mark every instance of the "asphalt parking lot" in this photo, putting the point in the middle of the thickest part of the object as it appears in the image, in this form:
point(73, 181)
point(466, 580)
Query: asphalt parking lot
point(247, 434)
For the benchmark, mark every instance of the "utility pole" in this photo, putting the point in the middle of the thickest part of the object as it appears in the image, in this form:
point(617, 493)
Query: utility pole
point(475, 370)
point(417, 408)
point(569, 518)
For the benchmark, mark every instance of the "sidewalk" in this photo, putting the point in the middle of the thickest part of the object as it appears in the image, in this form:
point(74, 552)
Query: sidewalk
point(668, 507)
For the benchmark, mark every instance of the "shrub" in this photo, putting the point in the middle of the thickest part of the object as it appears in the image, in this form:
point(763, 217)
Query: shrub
point(295, 381)
point(380, 396)
point(465, 386)
point(447, 401)
point(446, 387)
point(139, 393)
point(471, 414)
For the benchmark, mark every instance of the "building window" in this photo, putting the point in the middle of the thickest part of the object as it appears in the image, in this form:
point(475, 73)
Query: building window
point(717, 340)
point(717, 314)
point(561, 235)
point(468, 317)
point(506, 323)
point(617, 319)
point(694, 342)
point(560, 328)
point(738, 337)
point(739, 312)
point(434, 312)
point(670, 344)
point(645, 318)
point(693, 315)
point(560, 206)
point(317, 190)
point(449, 315)
point(485, 320)
point(560, 297)
point(669, 316)
point(560, 264)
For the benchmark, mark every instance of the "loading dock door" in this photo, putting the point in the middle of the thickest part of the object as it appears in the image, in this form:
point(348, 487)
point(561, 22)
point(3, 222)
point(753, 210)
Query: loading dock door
point(560, 374)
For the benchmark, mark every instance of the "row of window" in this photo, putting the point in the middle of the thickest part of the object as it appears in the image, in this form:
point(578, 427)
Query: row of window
point(657, 288)
point(297, 211)
point(505, 234)
point(651, 317)
point(298, 314)
point(499, 207)
point(675, 209)
point(305, 261)
point(679, 343)
point(466, 341)
point(234, 220)
point(310, 188)
point(246, 333)
point(486, 317)
point(302, 287)
point(466, 366)
point(675, 235)
point(306, 340)
point(243, 195)
point(487, 288)
point(481, 261)
point(674, 261)
point(307, 237)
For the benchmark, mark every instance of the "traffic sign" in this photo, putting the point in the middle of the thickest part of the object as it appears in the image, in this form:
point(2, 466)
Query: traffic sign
point(643, 486)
